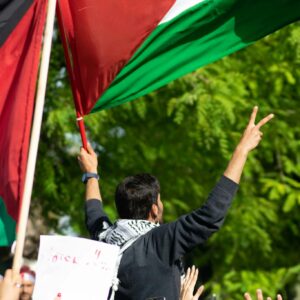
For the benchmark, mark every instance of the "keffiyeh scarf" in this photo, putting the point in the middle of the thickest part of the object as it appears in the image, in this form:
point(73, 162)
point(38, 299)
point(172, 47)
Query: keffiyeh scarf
point(124, 230)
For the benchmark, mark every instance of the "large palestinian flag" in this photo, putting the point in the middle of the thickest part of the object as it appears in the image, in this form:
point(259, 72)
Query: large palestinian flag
point(121, 50)
point(21, 28)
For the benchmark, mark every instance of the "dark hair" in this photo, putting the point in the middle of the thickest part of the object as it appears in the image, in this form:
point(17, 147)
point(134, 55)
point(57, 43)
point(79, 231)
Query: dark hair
point(135, 195)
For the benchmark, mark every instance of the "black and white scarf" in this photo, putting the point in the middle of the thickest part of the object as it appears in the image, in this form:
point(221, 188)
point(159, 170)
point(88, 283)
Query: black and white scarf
point(124, 230)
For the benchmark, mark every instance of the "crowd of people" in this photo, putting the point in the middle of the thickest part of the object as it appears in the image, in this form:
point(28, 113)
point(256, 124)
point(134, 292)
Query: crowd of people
point(150, 261)
point(20, 287)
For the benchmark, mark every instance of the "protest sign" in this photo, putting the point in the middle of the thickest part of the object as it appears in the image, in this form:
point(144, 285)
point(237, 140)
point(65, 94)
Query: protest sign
point(76, 268)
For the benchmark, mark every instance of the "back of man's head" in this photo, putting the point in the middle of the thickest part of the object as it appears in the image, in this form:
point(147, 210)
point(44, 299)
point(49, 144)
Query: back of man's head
point(135, 195)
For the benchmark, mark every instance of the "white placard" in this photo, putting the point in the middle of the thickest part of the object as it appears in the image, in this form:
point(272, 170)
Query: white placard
point(78, 268)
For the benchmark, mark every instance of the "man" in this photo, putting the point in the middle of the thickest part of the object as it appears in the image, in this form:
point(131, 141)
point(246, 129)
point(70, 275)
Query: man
point(150, 267)
point(28, 281)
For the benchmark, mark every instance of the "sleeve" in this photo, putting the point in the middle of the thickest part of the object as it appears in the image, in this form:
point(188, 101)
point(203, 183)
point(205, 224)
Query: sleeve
point(172, 241)
point(95, 218)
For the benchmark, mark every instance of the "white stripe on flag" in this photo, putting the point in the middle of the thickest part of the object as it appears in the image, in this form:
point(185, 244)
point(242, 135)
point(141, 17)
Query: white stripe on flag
point(178, 7)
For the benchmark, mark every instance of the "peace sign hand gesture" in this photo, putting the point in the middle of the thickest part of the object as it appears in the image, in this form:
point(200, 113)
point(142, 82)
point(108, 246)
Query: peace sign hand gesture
point(250, 139)
point(252, 134)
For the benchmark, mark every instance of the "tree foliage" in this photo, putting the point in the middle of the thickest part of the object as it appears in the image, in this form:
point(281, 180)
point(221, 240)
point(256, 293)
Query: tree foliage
point(184, 134)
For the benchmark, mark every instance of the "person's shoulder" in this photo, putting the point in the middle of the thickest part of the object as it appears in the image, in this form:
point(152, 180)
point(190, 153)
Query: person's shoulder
point(157, 232)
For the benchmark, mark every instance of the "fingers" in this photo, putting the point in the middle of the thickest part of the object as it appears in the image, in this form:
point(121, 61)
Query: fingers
point(199, 292)
point(85, 153)
point(181, 290)
point(184, 284)
point(16, 277)
point(12, 276)
point(259, 294)
point(12, 279)
point(90, 148)
point(8, 273)
point(190, 277)
point(188, 273)
point(187, 288)
point(194, 277)
point(264, 121)
point(187, 277)
point(253, 115)
point(247, 296)
point(82, 155)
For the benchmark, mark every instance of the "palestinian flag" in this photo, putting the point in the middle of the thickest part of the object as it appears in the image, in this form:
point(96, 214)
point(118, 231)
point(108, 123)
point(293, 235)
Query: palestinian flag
point(21, 29)
point(121, 50)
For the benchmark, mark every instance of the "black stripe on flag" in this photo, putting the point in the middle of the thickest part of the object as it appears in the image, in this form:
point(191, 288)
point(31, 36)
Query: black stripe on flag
point(11, 12)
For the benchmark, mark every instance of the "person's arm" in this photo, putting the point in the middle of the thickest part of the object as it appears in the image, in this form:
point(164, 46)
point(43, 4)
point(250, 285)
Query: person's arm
point(95, 218)
point(195, 228)
point(250, 139)
point(173, 240)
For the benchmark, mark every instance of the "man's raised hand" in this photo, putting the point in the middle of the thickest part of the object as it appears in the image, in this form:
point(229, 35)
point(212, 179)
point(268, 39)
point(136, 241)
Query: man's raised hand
point(89, 164)
point(88, 159)
point(250, 139)
point(252, 134)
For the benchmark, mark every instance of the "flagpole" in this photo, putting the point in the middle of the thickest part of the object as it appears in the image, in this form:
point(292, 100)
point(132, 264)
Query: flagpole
point(81, 126)
point(35, 135)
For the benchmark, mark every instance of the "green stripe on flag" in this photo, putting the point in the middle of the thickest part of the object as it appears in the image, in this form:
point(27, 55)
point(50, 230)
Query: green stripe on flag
point(200, 35)
point(7, 226)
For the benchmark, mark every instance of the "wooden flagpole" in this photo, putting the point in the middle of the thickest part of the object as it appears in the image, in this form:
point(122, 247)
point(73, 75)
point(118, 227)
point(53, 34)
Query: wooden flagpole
point(35, 135)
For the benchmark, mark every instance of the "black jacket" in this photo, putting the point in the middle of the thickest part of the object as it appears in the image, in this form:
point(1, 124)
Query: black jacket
point(150, 267)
